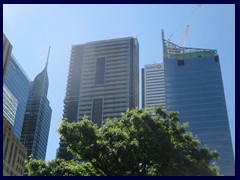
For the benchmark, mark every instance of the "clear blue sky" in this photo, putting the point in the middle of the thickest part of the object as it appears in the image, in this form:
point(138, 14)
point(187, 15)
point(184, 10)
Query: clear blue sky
point(32, 28)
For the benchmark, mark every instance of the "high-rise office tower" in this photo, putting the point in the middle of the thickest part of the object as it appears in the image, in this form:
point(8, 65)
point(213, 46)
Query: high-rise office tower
point(153, 90)
point(37, 119)
point(9, 105)
point(18, 84)
point(102, 81)
point(194, 87)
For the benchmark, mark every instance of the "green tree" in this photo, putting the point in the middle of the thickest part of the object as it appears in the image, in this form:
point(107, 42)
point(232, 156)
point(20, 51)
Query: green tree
point(59, 167)
point(135, 145)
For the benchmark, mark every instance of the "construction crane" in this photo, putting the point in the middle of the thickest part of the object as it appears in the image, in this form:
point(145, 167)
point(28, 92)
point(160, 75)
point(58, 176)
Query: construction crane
point(193, 16)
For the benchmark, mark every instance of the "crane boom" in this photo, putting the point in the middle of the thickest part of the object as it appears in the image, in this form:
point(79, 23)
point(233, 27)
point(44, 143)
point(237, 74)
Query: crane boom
point(186, 36)
point(193, 16)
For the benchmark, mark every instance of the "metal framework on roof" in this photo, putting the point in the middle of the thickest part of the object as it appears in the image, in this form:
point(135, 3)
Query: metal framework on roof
point(173, 51)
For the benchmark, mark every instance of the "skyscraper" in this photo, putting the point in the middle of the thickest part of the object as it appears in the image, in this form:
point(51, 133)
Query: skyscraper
point(194, 87)
point(18, 84)
point(102, 81)
point(153, 90)
point(37, 119)
point(15, 94)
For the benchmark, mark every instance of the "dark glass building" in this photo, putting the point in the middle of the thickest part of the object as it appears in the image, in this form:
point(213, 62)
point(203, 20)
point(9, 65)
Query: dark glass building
point(37, 119)
point(102, 81)
point(194, 88)
point(19, 84)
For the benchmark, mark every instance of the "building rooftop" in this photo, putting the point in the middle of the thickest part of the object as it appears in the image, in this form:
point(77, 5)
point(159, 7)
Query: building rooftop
point(173, 51)
point(104, 41)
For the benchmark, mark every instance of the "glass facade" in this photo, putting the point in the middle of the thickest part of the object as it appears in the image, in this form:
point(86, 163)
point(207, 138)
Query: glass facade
point(19, 84)
point(37, 119)
point(194, 88)
point(9, 105)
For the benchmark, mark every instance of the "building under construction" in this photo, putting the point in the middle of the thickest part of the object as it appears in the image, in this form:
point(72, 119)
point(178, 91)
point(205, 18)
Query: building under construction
point(194, 88)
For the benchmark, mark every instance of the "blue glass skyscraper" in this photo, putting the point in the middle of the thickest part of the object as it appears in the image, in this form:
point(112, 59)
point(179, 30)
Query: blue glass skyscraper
point(37, 119)
point(194, 87)
point(19, 84)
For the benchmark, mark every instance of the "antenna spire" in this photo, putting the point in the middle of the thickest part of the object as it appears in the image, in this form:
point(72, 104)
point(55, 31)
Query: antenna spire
point(163, 43)
point(162, 35)
point(48, 56)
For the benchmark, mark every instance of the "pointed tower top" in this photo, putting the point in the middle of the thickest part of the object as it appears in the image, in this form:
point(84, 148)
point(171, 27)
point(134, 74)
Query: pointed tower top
point(48, 57)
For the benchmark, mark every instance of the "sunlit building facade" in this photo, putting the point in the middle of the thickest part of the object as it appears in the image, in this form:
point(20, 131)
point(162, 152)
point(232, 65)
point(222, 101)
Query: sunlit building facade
point(103, 81)
point(18, 83)
point(153, 90)
point(9, 105)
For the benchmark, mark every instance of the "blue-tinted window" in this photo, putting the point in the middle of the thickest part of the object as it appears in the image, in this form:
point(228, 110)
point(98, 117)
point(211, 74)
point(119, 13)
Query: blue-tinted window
point(100, 71)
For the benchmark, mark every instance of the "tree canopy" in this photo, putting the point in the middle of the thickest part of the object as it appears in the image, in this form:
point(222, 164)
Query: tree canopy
point(59, 167)
point(136, 145)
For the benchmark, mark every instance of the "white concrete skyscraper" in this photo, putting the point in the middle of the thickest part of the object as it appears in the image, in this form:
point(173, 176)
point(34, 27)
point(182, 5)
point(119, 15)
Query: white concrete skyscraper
point(103, 81)
point(153, 90)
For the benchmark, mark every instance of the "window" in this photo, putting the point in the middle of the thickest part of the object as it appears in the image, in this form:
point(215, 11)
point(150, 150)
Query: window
point(100, 71)
point(180, 62)
point(216, 58)
point(97, 110)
